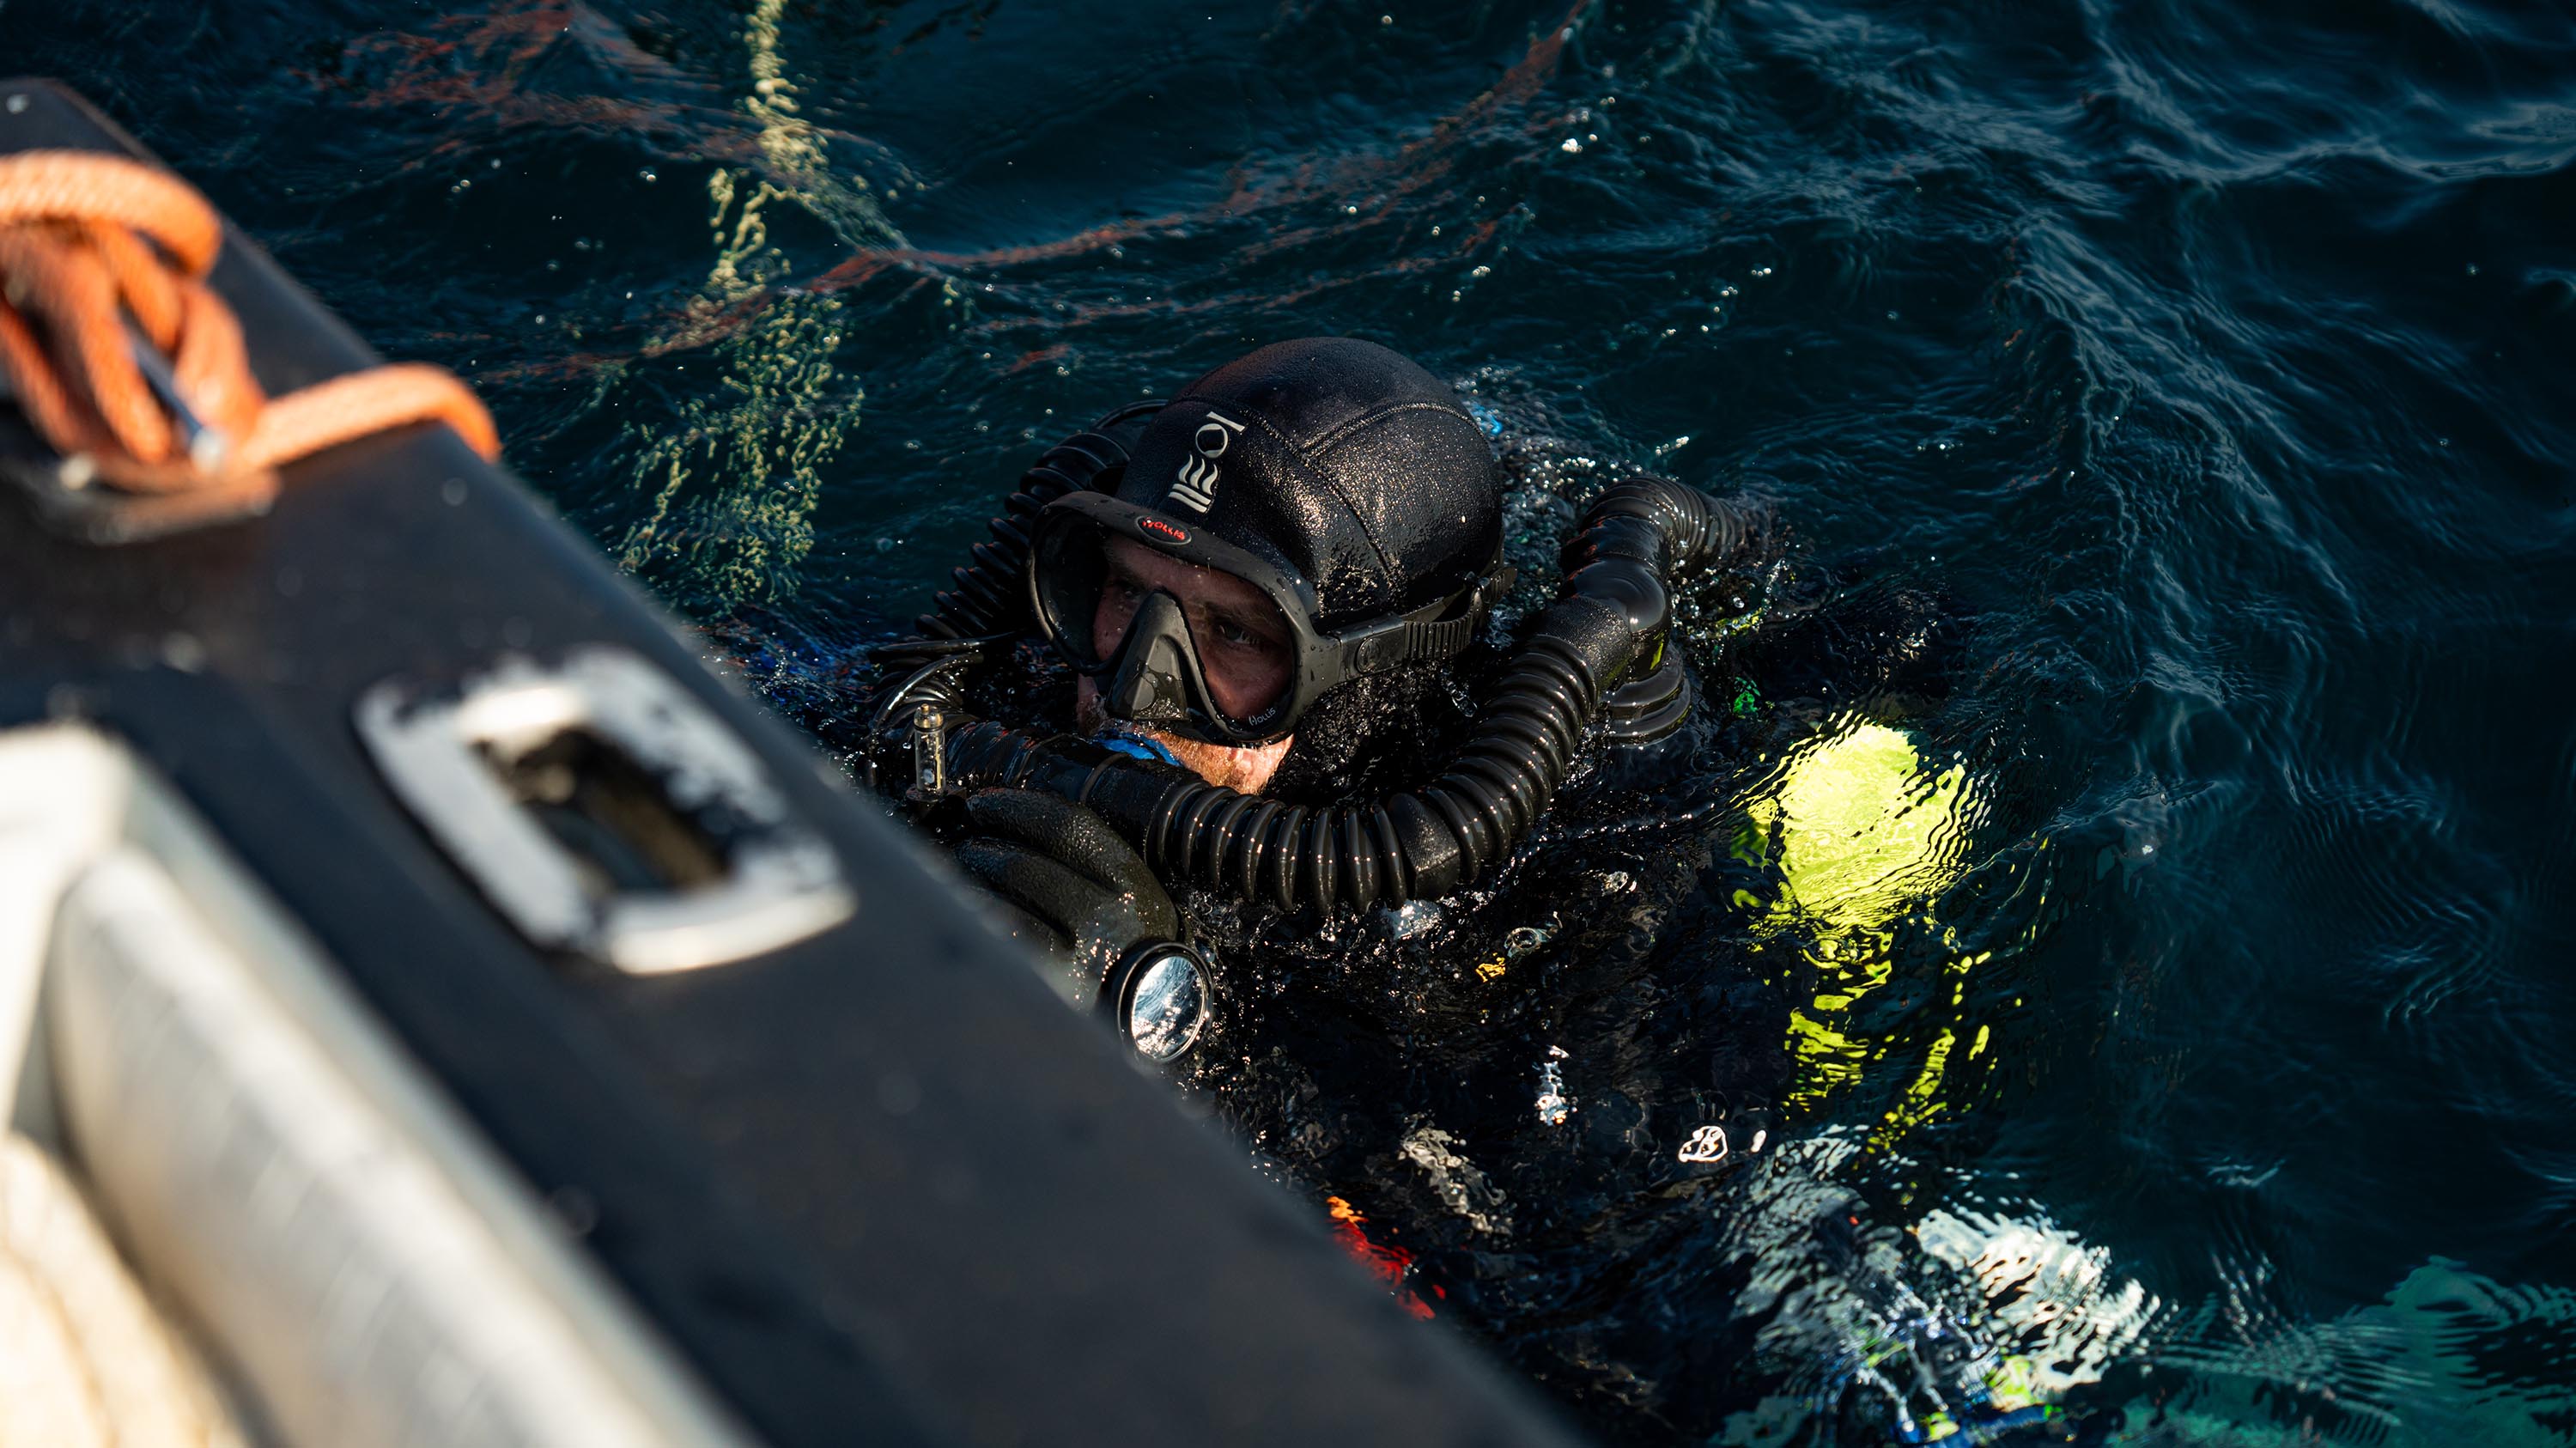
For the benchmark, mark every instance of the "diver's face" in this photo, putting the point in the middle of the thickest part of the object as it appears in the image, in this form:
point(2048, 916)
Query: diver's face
point(1242, 646)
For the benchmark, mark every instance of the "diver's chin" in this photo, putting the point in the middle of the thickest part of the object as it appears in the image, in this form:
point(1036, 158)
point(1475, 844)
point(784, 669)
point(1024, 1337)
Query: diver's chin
point(1246, 770)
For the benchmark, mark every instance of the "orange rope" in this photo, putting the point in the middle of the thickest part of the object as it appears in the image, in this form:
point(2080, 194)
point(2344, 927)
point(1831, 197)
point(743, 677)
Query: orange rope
point(98, 255)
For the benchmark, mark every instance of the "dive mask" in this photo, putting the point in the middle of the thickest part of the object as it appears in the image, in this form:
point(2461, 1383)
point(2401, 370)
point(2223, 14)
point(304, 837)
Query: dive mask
point(1228, 665)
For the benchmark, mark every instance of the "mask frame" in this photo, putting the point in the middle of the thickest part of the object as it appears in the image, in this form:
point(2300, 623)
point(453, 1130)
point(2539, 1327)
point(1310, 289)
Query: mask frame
point(1157, 663)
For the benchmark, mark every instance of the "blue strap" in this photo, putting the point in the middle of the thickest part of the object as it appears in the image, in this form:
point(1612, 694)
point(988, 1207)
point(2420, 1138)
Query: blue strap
point(1149, 750)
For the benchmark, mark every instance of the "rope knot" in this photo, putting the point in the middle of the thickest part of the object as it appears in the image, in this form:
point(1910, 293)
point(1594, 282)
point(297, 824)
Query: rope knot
point(132, 368)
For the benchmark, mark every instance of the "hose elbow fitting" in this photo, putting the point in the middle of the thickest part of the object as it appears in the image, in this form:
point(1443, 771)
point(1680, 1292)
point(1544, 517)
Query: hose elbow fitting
point(1636, 590)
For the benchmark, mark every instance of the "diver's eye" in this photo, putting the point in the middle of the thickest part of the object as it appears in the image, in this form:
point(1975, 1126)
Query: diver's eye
point(1119, 601)
point(1242, 638)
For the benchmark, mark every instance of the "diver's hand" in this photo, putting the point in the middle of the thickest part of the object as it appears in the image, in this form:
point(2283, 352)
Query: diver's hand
point(1074, 890)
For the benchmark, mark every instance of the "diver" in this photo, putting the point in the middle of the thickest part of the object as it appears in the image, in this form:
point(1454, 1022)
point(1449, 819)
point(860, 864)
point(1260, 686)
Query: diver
point(1269, 605)
point(1227, 696)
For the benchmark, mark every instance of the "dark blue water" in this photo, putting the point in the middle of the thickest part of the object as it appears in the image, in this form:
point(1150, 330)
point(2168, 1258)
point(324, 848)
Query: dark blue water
point(2124, 881)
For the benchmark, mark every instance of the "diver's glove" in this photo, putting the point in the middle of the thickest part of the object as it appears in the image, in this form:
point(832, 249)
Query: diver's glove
point(1071, 888)
point(1083, 897)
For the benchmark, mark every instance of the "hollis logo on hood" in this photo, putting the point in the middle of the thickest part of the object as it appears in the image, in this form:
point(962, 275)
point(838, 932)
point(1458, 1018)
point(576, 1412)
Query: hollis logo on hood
point(1196, 488)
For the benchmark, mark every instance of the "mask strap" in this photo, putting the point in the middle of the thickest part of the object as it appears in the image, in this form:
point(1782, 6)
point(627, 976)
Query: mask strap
point(1436, 631)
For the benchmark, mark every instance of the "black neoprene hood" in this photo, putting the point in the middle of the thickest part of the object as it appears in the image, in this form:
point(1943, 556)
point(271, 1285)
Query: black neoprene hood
point(1338, 458)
